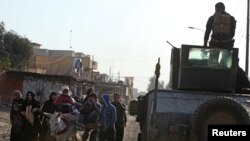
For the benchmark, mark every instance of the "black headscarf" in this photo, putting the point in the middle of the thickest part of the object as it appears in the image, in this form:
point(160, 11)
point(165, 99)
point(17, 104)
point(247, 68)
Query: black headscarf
point(32, 94)
point(52, 94)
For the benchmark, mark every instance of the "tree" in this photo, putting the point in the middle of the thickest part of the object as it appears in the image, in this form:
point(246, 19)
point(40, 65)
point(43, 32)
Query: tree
point(151, 84)
point(4, 56)
point(15, 50)
point(2, 31)
point(19, 48)
point(4, 64)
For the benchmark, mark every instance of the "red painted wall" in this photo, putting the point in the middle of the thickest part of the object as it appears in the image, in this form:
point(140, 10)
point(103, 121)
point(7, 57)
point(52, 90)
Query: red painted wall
point(9, 83)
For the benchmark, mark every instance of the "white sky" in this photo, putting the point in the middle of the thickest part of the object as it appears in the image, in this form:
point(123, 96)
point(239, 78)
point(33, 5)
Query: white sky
point(126, 35)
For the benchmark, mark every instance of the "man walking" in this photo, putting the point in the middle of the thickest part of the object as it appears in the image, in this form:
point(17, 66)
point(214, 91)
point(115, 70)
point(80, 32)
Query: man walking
point(121, 117)
point(91, 110)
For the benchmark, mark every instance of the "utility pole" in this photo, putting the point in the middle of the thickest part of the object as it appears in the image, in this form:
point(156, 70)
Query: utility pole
point(92, 69)
point(70, 36)
point(247, 40)
point(110, 74)
point(157, 75)
point(119, 76)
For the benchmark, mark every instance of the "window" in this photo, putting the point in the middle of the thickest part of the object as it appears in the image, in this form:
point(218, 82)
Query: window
point(209, 57)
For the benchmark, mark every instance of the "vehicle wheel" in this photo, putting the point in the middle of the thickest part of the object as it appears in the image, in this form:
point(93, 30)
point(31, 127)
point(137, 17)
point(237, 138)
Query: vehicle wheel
point(221, 110)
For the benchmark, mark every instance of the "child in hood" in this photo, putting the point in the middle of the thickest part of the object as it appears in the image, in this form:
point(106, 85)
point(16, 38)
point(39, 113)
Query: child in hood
point(107, 120)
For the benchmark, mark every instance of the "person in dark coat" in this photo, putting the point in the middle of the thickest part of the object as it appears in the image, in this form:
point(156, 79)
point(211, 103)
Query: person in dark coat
point(121, 118)
point(15, 116)
point(30, 111)
point(81, 116)
point(91, 110)
point(223, 25)
point(89, 91)
point(48, 107)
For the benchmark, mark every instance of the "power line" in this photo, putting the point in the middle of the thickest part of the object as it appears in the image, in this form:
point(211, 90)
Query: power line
point(238, 6)
point(241, 29)
point(49, 63)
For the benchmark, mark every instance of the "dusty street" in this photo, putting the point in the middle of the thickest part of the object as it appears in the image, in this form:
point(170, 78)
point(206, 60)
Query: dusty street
point(132, 130)
point(130, 134)
point(4, 124)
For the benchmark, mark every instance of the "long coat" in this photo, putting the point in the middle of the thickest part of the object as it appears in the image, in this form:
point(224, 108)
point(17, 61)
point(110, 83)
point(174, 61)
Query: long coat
point(31, 120)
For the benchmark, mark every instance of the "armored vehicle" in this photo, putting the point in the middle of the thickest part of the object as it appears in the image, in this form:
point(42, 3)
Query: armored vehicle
point(202, 91)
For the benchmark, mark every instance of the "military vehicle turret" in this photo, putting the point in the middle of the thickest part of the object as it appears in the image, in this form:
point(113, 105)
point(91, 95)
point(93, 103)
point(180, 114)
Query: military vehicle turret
point(202, 92)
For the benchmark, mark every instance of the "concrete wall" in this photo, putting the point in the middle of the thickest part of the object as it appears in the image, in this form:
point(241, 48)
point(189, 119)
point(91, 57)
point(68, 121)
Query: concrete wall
point(43, 88)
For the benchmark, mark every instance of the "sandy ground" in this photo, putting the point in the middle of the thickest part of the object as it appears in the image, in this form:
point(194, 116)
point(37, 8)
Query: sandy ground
point(4, 123)
point(131, 130)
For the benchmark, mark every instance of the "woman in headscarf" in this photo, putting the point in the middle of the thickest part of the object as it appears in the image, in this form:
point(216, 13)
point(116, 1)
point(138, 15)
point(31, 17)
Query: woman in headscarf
point(31, 111)
point(48, 107)
point(15, 116)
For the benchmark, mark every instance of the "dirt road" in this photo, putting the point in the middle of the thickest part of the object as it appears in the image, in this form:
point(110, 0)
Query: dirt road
point(131, 130)
point(4, 124)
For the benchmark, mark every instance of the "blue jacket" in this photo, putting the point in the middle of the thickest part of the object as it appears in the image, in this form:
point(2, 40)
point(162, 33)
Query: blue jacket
point(108, 113)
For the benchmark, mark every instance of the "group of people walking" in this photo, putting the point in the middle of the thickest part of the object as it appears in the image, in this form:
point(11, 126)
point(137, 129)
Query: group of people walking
point(108, 119)
point(24, 117)
point(102, 119)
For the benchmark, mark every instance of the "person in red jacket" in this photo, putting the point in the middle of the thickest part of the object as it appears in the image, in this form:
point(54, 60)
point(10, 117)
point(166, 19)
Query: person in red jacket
point(65, 102)
point(67, 106)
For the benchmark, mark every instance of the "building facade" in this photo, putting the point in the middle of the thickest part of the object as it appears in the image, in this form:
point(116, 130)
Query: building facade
point(81, 67)
point(41, 84)
point(62, 62)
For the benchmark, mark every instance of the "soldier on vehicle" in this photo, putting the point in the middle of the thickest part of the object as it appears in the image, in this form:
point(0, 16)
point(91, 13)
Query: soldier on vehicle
point(223, 25)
